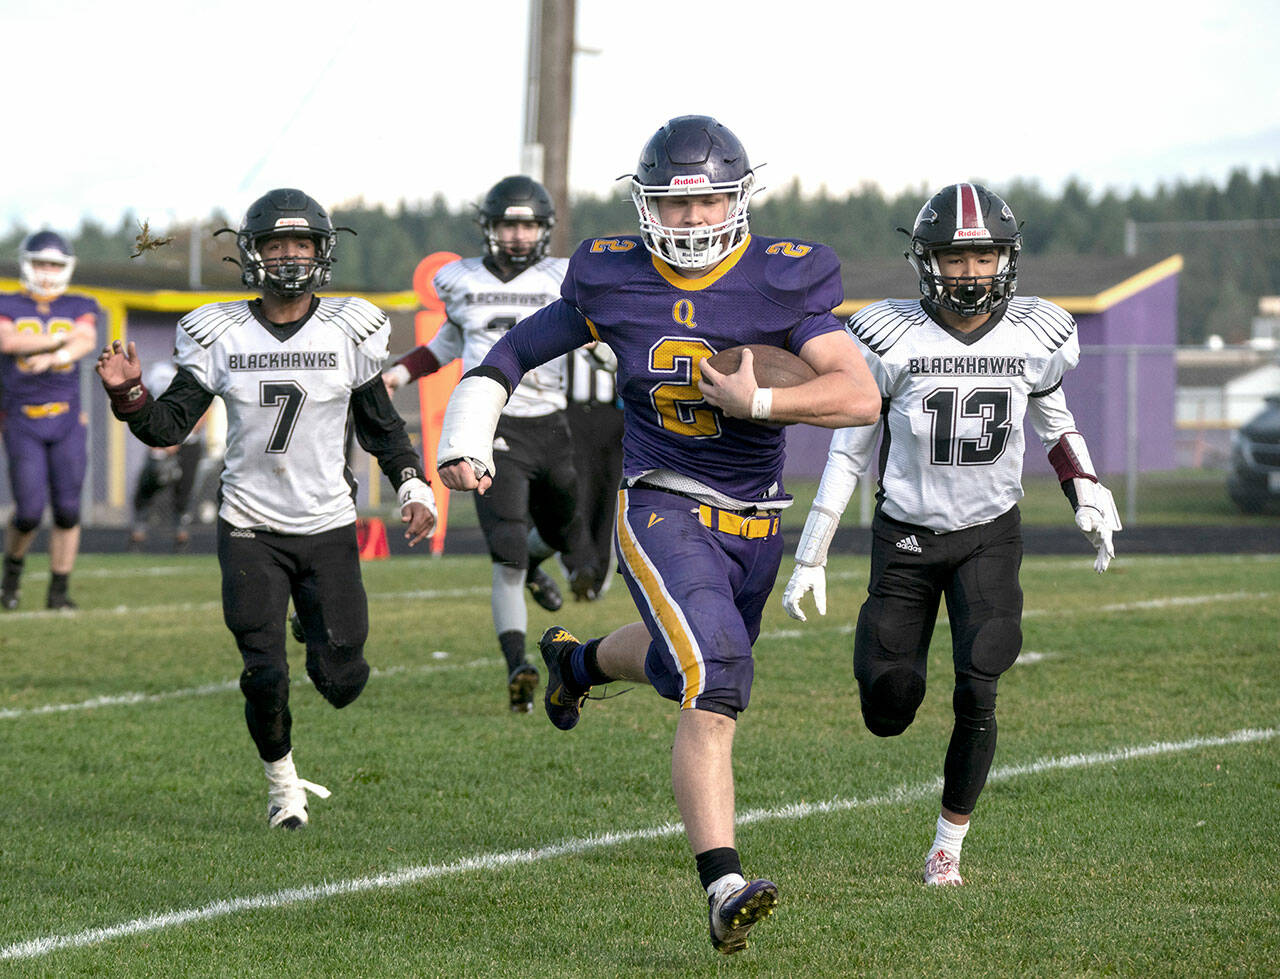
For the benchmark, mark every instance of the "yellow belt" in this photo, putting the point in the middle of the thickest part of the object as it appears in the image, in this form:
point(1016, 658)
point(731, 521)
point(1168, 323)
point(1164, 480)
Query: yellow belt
point(51, 409)
point(728, 522)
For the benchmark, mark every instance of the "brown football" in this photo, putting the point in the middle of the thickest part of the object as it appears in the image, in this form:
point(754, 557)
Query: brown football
point(774, 366)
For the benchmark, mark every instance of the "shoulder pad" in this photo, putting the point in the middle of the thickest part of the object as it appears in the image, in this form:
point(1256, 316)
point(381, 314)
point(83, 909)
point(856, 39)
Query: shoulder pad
point(1049, 323)
point(798, 275)
point(884, 323)
point(357, 318)
point(600, 265)
point(206, 324)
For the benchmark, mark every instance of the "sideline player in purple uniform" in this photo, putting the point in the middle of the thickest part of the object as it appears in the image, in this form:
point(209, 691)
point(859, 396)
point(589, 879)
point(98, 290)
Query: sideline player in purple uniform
point(43, 334)
point(958, 371)
point(697, 528)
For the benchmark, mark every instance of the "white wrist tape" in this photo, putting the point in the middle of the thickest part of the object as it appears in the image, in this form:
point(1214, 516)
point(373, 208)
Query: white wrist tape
point(762, 404)
point(399, 375)
point(470, 421)
point(819, 528)
point(62, 356)
point(416, 491)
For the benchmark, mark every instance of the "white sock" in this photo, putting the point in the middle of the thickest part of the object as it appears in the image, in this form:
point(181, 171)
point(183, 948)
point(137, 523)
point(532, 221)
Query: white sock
point(725, 884)
point(281, 770)
point(949, 837)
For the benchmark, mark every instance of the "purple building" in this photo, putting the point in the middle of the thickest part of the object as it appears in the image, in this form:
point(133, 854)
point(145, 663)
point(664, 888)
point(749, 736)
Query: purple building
point(1122, 392)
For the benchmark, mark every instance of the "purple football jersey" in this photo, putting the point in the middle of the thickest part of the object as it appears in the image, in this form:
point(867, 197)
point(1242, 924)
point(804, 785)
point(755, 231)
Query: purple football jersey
point(661, 325)
point(60, 384)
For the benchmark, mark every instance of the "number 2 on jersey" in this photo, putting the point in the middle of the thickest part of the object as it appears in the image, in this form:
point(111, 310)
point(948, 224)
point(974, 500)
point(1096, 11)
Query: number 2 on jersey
point(679, 404)
point(288, 396)
point(989, 404)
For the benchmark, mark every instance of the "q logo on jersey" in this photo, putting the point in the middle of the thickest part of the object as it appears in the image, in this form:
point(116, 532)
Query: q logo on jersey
point(682, 313)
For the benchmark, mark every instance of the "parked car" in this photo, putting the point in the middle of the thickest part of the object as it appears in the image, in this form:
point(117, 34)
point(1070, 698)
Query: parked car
point(1255, 460)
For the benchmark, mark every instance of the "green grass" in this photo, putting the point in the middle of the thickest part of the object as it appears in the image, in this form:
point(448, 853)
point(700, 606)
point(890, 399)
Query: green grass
point(1156, 864)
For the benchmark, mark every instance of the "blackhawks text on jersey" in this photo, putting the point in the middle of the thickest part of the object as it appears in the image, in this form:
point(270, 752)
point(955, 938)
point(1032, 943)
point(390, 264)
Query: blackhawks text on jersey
point(287, 401)
point(956, 404)
point(481, 308)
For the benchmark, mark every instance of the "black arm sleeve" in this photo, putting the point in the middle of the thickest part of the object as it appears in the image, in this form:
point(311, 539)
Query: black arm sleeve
point(169, 419)
point(380, 431)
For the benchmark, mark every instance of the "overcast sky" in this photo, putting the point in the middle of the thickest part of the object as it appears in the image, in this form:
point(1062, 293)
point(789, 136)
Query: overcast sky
point(172, 108)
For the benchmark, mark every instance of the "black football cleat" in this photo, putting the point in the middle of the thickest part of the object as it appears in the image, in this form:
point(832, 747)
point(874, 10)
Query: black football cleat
point(521, 684)
point(61, 602)
point(563, 705)
point(544, 591)
point(295, 628)
point(9, 600)
point(733, 914)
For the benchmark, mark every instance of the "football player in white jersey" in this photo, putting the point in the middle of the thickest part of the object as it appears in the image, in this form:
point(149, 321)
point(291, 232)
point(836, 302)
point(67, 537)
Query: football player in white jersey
point(957, 371)
point(291, 369)
point(535, 483)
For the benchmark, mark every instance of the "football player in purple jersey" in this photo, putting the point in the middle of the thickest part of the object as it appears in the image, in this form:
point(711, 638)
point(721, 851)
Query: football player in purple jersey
point(44, 332)
point(697, 526)
point(958, 371)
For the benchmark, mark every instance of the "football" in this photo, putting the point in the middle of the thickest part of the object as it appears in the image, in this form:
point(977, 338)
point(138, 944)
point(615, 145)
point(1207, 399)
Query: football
point(774, 366)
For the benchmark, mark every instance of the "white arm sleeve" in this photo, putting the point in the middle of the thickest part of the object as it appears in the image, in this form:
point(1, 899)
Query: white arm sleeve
point(1050, 417)
point(470, 420)
point(846, 460)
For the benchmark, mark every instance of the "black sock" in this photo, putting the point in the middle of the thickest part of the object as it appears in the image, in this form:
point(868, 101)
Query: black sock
point(512, 644)
point(714, 864)
point(58, 583)
point(591, 662)
point(12, 572)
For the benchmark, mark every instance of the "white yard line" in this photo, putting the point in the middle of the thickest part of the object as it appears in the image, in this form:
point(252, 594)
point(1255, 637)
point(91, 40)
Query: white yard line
point(126, 699)
point(814, 626)
point(159, 920)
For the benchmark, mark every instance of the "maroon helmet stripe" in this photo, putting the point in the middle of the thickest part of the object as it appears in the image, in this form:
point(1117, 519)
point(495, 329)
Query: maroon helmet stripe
point(967, 207)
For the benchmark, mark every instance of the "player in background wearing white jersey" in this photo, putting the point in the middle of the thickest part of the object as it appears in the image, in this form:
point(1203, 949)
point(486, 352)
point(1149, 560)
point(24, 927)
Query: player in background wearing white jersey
point(291, 368)
point(535, 483)
point(957, 371)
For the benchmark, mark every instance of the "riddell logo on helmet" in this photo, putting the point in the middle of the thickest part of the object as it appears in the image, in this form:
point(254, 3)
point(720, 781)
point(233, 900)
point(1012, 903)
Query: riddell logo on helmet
point(962, 233)
point(697, 180)
point(290, 223)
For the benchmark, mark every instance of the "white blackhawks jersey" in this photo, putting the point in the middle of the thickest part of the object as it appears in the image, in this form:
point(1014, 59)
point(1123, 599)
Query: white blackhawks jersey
point(287, 405)
point(481, 308)
point(956, 406)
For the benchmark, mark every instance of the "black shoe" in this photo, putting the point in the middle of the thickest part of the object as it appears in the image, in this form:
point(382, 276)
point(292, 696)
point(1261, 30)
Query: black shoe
point(521, 684)
point(62, 601)
point(563, 706)
point(9, 599)
point(732, 915)
point(295, 627)
point(583, 583)
point(544, 591)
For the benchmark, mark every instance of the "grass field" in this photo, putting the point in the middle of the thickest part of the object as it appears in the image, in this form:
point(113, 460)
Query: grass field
point(1129, 827)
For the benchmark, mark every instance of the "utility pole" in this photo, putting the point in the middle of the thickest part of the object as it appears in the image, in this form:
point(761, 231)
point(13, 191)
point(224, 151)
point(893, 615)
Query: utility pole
point(548, 108)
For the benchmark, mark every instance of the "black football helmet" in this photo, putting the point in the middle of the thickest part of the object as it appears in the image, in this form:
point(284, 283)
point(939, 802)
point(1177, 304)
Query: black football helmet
point(692, 155)
point(965, 216)
point(517, 198)
point(286, 211)
point(45, 246)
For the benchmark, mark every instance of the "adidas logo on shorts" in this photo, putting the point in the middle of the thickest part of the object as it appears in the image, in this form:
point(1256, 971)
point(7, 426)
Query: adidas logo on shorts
point(910, 545)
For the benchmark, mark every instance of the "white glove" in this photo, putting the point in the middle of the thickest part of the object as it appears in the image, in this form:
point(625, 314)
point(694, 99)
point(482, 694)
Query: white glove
point(1097, 516)
point(804, 579)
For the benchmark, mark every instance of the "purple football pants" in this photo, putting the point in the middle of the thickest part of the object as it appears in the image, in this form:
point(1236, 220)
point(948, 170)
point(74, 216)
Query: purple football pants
point(701, 592)
point(47, 461)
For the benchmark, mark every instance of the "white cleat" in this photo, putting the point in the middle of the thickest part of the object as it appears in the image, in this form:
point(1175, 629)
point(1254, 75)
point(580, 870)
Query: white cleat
point(942, 870)
point(287, 794)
